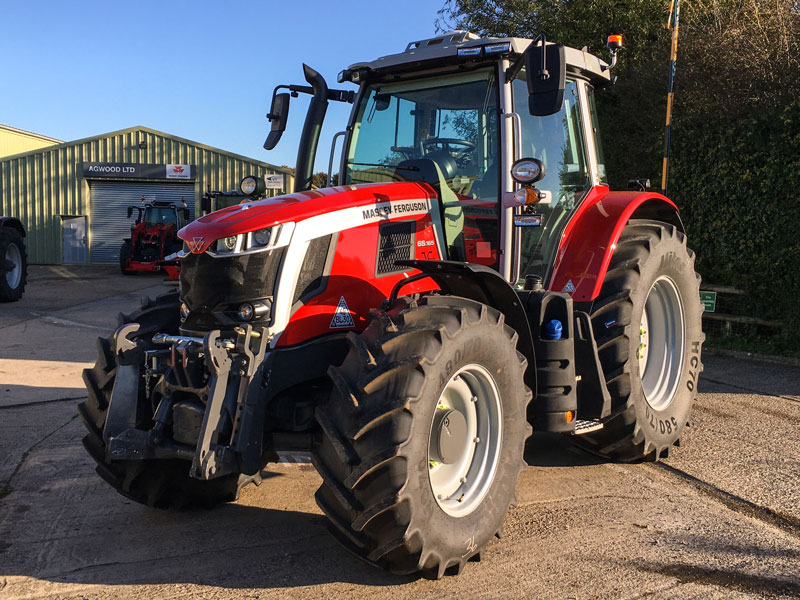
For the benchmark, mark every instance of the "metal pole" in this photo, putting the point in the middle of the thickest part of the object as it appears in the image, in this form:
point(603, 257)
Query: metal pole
point(674, 16)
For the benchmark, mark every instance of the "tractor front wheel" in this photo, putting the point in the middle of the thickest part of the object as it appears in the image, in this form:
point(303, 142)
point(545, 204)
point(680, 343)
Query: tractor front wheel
point(125, 257)
point(421, 441)
point(647, 323)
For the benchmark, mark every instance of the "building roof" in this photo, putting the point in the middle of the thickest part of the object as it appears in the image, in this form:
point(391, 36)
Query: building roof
point(30, 134)
point(93, 138)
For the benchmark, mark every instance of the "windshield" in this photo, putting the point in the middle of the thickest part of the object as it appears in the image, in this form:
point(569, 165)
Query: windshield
point(443, 131)
point(155, 215)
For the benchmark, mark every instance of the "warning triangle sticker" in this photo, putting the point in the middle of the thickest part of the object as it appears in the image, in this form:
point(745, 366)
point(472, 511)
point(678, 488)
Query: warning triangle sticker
point(342, 316)
point(569, 288)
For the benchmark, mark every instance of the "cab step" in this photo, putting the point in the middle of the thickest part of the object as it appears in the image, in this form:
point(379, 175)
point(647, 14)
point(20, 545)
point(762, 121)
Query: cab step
point(584, 426)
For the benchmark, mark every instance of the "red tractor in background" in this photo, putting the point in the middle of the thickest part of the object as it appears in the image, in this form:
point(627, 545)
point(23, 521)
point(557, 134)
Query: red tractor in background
point(154, 236)
point(472, 276)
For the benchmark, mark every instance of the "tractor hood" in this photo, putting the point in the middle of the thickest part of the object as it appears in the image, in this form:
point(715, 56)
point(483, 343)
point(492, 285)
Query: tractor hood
point(296, 207)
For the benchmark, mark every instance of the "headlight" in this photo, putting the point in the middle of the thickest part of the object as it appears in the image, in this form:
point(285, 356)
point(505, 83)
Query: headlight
point(252, 185)
point(261, 237)
point(254, 241)
point(527, 171)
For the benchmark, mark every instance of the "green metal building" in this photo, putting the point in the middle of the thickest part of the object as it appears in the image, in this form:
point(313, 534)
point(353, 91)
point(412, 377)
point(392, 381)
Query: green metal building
point(72, 197)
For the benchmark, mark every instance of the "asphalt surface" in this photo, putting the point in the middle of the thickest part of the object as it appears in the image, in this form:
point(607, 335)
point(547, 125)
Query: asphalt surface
point(720, 518)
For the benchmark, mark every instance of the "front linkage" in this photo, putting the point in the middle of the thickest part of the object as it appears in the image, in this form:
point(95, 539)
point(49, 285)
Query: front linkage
point(209, 392)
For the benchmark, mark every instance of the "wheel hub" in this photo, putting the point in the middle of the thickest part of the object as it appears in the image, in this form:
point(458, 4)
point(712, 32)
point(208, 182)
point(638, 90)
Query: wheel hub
point(450, 436)
point(465, 440)
point(662, 342)
point(14, 275)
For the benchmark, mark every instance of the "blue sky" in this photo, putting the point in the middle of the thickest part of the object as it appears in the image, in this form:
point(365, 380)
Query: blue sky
point(200, 70)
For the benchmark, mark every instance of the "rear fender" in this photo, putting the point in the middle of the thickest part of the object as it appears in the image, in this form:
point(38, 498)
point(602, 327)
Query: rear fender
point(483, 284)
point(591, 236)
point(13, 223)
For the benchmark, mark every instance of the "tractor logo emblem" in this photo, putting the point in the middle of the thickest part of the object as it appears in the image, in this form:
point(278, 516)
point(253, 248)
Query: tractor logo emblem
point(196, 245)
point(342, 316)
point(177, 169)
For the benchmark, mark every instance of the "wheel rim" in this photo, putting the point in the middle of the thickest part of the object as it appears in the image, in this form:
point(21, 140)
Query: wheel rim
point(460, 485)
point(662, 340)
point(14, 276)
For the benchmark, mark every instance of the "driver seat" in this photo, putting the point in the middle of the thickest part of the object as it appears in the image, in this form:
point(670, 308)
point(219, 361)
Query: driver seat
point(448, 216)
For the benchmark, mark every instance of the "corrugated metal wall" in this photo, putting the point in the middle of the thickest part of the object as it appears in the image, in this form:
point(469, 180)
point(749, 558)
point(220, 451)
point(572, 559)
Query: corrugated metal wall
point(40, 186)
point(108, 222)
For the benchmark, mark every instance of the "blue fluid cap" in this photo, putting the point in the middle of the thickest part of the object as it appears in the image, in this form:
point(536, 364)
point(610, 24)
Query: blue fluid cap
point(552, 330)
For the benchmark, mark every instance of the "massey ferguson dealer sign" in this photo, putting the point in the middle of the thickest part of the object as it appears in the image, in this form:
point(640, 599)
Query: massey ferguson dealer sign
point(137, 171)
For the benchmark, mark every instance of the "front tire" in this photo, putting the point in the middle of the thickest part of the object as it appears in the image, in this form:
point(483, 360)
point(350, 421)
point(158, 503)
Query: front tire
point(157, 483)
point(647, 323)
point(13, 257)
point(422, 439)
point(125, 257)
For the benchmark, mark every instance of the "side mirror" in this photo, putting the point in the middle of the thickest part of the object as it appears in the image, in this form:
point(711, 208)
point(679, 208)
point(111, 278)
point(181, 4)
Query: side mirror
point(130, 211)
point(205, 204)
point(546, 70)
point(278, 115)
point(382, 102)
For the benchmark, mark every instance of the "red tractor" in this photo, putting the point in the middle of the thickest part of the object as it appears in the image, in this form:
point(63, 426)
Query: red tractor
point(472, 276)
point(154, 236)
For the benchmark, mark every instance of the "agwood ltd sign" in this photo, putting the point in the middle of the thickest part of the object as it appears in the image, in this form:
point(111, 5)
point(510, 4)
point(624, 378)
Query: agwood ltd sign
point(137, 171)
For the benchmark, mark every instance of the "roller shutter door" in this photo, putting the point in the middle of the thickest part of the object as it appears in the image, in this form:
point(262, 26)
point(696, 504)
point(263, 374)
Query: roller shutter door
point(109, 203)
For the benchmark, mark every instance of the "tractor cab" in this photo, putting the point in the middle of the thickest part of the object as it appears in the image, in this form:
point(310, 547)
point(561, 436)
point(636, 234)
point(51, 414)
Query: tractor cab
point(462, 124)
point(159, 214)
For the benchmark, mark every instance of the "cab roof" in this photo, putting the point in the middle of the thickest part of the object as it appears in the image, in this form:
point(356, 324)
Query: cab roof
point(444, 50)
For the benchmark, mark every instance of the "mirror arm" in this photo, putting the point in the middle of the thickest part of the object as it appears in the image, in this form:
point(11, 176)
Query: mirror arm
point(271, 116)
point(544, 74)
point(516, 67)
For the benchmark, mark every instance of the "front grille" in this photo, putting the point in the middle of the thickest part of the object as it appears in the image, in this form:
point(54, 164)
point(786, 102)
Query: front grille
point(213, 288)
point(396, 243)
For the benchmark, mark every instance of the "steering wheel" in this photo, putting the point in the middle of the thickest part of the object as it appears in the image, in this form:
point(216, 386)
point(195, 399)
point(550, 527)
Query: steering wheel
point(457, 148)
point(446, 143)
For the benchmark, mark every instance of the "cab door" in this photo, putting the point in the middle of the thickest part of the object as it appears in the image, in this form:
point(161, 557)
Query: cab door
point(559, 141)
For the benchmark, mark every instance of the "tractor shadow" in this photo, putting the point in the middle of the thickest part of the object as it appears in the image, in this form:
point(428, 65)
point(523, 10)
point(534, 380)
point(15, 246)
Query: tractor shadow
point(558, 450)
point(255, 544)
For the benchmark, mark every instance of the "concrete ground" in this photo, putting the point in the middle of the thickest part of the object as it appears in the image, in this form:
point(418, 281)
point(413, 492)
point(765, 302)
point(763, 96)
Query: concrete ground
point(719, 519)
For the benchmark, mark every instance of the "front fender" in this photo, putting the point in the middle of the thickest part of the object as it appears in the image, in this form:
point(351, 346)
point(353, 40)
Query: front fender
point(485, 285)
point(590, 237)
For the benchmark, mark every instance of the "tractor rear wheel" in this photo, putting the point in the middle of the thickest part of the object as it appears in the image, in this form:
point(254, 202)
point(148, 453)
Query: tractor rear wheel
point(13, 265)
point(647, 323)
point(422, 438)
point(124, 257)
point(158, 483)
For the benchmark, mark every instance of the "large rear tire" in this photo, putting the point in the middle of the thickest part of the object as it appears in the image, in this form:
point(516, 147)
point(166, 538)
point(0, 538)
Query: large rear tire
point(13, 265)
point(647, 323)
point(422, 439)
point(158, 483)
